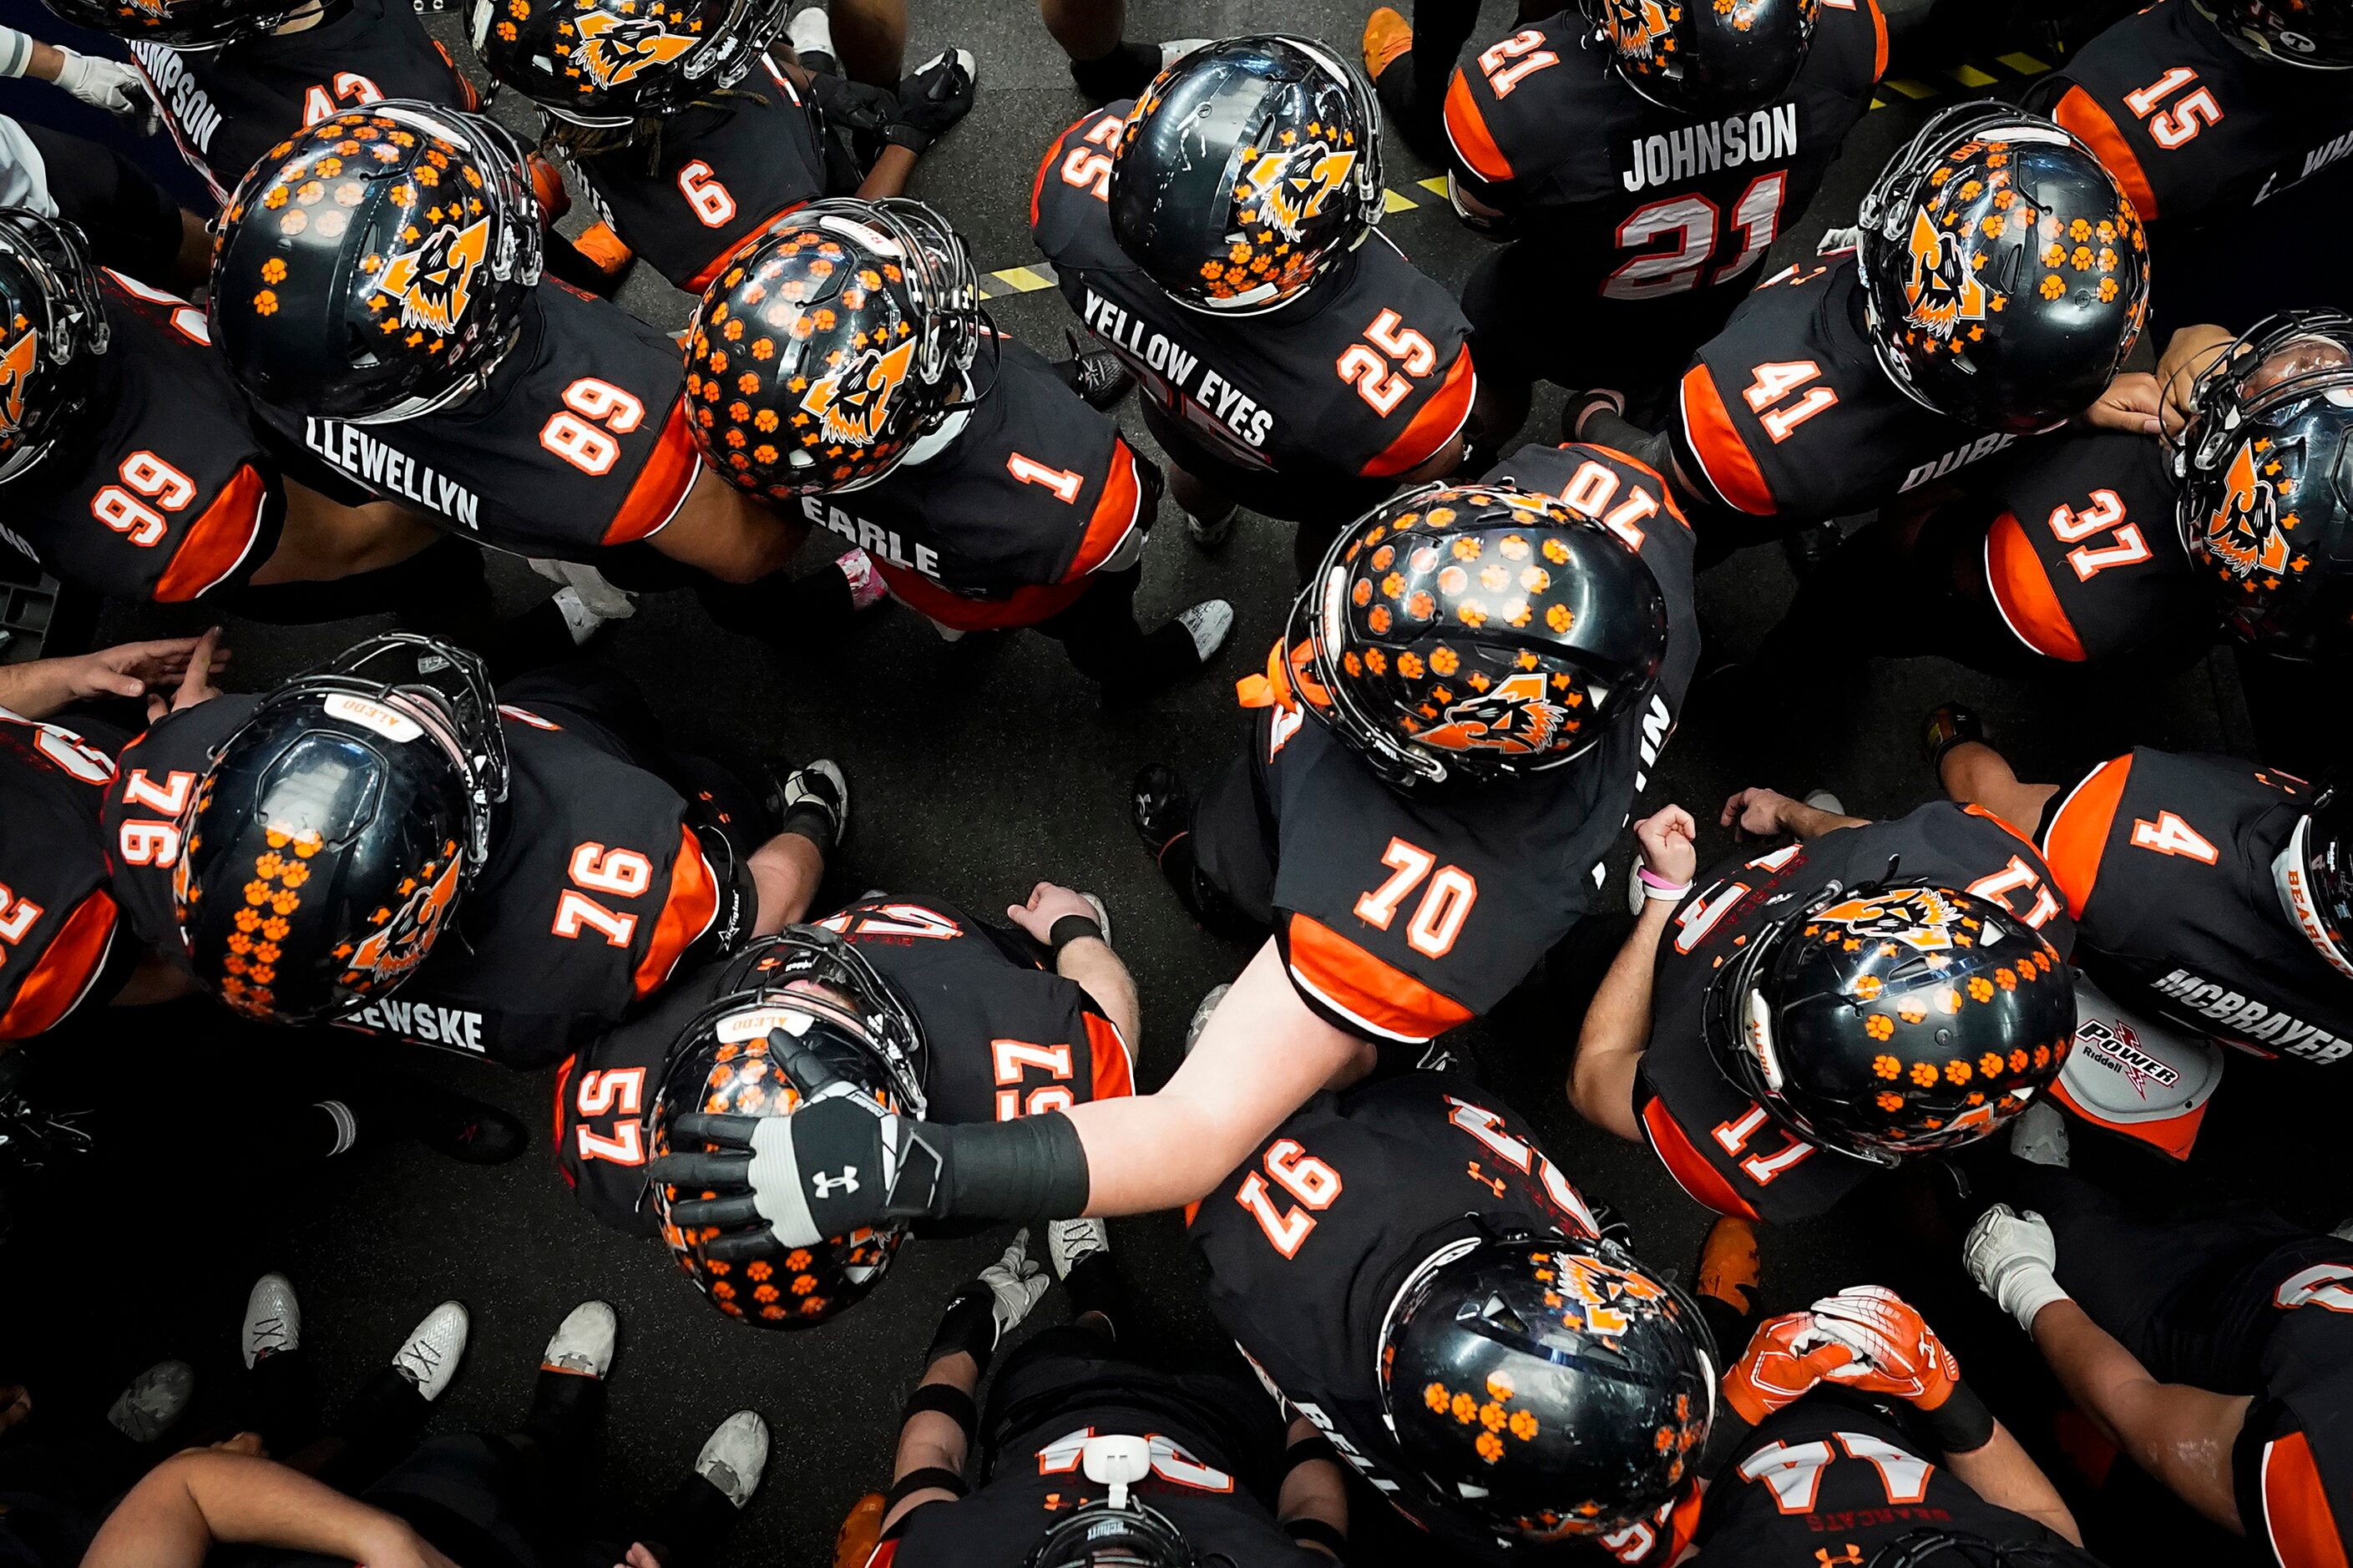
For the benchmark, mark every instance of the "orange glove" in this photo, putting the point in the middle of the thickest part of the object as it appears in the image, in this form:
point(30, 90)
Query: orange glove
point(1785, 1357)
point(1898, 1354)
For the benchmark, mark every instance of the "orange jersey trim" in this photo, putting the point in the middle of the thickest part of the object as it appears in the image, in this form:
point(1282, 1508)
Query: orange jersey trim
point(2296, 1516)
point(1439, 421)
point(663, 484)
point(1115, 1072)
point(885, 1551)
point(1116, 513)
point(219, 541)
point(1383, 1000)
point(687, 913)
point(1723, 456)
point(1023, 607)
point(2022, 593)
point(702, 280)
point(1055, 151)
point(563, 1091)
point(1879, 29)
point(2174, 1137)
point(61, 976)
point(2080, 112)
point(1466, 129)
point(2078, 836)
point(1683, 1524)
point(1689, 1167)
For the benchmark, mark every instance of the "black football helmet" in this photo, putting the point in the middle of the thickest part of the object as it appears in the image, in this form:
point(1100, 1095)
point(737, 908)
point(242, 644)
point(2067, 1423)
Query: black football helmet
point(2314, 33)
point(1549, 1387)
point(183, 23)
point(826, 350)
point(611, 63)
point(378, 265)
point(2315, 877)
point(2265, 466)
point(804, 987)
point(2005, 272)
point(52, 330)
point(336, 831)
point(1473, 632)
point(1116, 1529)
point(1940, 1546)
point(1697, 56)
point(1893, 1019)
point(1247, 170)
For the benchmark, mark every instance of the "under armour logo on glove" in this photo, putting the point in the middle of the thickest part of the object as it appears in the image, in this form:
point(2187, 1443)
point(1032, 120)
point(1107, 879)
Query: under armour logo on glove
point(826, 1185)
point(1785, 1360)
point(1896, 1353)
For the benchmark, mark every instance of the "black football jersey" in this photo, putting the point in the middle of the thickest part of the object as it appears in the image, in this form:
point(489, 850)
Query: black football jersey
point(226, 107)
point(1720, 1145)
point(2195, 129)
point(1787, 414)
point(2293, 1466)
point(726, 172)
point(1362, 380)
point(1829, 1480)
point(2177, 870)
point(1006, 1037)
point(1310, 1240)
point(57, 920)
point(579, 441)
point(596, 887)
point(163, 490)
point(993, 519)
point(1403, 913)
point(2082, 559)
point(1635, 201)
point(1036, 1477)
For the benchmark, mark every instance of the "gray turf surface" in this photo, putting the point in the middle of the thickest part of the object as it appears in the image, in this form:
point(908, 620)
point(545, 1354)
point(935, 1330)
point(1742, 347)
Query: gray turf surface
point(981, 766)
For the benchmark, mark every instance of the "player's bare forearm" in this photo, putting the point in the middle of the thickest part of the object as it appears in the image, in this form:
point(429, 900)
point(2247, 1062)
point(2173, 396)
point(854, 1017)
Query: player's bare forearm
point(1617, 1028)
point(1806, 821)
point(893, 166)
point(1100, 974)
point(1259, 1059)
point(1315, 1489)
point(188, 1503)
point(931, 1440)
point(2006, 1475)
point(786, 872)
point(35, 688)
point(721, 531)
point(2180, 1435)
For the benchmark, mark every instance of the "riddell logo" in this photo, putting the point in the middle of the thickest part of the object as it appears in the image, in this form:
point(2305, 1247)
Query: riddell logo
point(1291, 187)
point(15, 371)
point(614, 50)
point(854, 401)
point(1943, 290)
point(434, 282)
point(2117, 1047)
point(2244, 534)
point(1515, 718)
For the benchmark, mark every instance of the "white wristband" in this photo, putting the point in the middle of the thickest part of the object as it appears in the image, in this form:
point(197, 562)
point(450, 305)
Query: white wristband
point(15, 51)
point(2028, 1291)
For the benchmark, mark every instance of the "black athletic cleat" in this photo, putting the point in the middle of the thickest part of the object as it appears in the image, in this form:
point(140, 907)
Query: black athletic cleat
point(1097, 374)
point(1948, 724)
point(1160, 807)
point(468, 1130)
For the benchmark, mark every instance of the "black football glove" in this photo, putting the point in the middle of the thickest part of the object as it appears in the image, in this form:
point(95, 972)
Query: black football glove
point(852, 105)
point(937, 96)
point(837, 1162)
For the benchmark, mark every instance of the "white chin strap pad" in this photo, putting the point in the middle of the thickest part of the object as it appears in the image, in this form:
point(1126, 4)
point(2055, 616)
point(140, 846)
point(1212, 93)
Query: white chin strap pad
point(2149, 1081)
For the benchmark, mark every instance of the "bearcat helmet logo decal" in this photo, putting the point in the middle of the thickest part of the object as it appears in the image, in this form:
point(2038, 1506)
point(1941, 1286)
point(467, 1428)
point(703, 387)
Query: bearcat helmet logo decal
point(1516, 717)
point(15, 371)
point(1921, 919)
point(614, 50)
point(2244, 534)
point(1943, 289)
point(854, 401)
point(403, 938)
point(1640, 29)
point(434, 282)
point(1290, 185)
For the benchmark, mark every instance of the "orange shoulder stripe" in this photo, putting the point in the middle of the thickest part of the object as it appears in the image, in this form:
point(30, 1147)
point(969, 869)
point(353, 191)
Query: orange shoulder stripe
point(2023, 594)
point(1383, 1000)
point(2296, 1515)
point(1053, 150)
point(1116, 513)
point(2080, 112)
point(61, 976)
point(563, 1088)
point(2079, 831)
point(1723, 456)
point(217, 543)
point(1114, 1071)
point(1438, 421)
point(1879, 28)
point(663, 484)
point(1689, 1167)
point(1466, 130)
point(686, 914)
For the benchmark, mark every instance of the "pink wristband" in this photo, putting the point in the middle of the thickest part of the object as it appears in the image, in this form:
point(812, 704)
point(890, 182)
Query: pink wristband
point(1660, 886)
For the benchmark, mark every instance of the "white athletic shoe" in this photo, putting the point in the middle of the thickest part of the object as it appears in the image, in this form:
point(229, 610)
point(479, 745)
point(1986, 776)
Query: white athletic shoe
point(273, 1319)
point(580, 622)
point(1070, 1242)
point(583, 1342)
point(811, 33)
point(591, 587)
point(734, 1455)
point(1201, 1019)
point(157, 1398)
point(429, 1360)
point(822, 786)
point(1823, 800)
point(2039, 1136)
point(1210, 623)
point(1103, 915)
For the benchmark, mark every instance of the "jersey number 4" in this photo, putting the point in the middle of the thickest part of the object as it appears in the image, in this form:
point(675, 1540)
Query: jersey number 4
point(1774, 382)
point(1794, 1470)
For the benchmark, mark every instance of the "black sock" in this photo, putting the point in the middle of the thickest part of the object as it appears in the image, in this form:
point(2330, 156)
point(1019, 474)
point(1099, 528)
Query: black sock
point(1094, 1286)
point(689, 1523)
point(1123, 73)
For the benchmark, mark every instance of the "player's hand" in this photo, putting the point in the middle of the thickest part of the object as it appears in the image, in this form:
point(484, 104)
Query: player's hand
point(2189, 354)
point(106, 84)
point(2014, 1259)
point(836, 1164)
point(246, 1442)
point(129, 669)
point(1016, 1282)
point(15, 1403)
point(1049, 902)
point(1786, 1359)
point(196, 679)
point(1667, 837)
point(640, 1555)
point(1900, 1355)
point(937, 96)
point(2131, 405)
point(1756, 811)
point(852, 105)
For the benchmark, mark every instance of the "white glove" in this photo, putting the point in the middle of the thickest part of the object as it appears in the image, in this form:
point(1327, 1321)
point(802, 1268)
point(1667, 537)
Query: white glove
point(2012, 1257)
point(1016, 1282)
point(106, 84)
